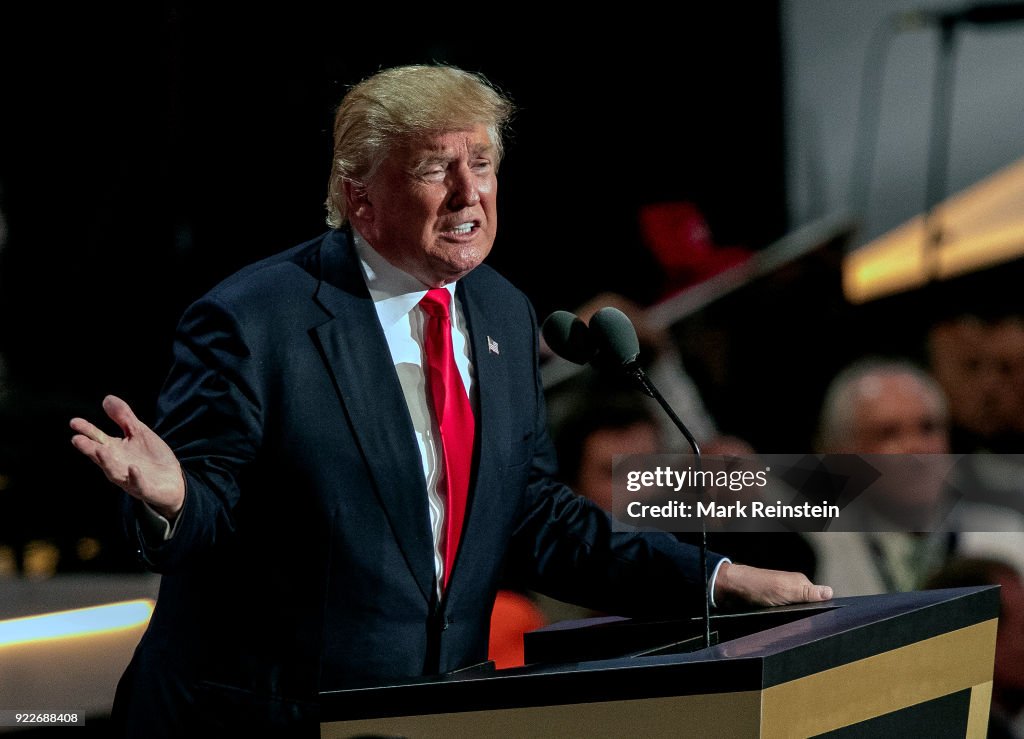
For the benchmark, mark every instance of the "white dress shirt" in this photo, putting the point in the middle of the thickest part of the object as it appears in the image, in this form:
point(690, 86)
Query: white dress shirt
point(396, 296)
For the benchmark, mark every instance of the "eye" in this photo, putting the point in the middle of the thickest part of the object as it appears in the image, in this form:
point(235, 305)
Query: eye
point(481, 165)
point(431, 174)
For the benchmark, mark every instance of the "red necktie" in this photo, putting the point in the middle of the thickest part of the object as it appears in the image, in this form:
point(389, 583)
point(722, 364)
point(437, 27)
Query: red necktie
point(454, 418)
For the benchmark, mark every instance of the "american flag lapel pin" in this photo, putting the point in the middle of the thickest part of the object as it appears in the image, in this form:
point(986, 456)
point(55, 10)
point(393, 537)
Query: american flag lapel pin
point(492, 346)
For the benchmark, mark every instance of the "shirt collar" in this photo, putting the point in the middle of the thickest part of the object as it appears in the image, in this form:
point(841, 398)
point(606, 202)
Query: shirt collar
point(394, 292)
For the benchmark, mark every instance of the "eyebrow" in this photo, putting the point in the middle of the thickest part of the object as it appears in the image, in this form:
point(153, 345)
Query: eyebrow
point(479, 149)
point(443, 156)
point(434, 158)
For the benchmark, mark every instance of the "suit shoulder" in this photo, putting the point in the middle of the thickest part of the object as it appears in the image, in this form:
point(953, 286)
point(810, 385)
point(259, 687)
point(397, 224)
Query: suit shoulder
point(279, 275)
point(485, 275)
point(490, 283)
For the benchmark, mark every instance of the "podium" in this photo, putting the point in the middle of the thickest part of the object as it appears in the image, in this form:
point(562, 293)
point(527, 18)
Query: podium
point(919, 663)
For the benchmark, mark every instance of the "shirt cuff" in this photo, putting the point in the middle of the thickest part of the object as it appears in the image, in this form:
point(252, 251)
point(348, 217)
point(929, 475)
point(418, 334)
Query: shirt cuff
point(157, 528)
point(714, 576)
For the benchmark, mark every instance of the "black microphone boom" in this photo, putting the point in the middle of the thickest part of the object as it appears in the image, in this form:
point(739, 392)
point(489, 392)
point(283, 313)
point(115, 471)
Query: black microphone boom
point(617, 345)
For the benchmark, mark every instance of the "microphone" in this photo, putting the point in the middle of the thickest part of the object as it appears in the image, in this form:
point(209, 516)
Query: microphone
point(615, 336)
point(611, 341)
point(618, 345)
point(569, 337)
point(982, 14)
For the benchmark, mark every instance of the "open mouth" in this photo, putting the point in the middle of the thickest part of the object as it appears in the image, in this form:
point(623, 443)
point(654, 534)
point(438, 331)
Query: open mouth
point(463, 229)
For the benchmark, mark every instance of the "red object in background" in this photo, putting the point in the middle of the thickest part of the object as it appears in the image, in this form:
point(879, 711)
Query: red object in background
point(679, 238)
point(513, 615)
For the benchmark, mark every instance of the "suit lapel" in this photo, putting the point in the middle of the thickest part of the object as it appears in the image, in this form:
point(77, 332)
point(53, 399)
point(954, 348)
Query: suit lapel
point(492, 437)
point(357, 354)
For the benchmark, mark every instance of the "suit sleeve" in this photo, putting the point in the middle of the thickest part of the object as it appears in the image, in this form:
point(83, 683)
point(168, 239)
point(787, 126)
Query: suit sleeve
point(210, 414)
point(564, 546)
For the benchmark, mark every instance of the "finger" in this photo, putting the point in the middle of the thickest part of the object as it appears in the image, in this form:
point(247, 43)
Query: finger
point(85, 445)
point(134, 478)
point(98, 453)
point(115, 468)
point(89, 430)
point(133, 482)
point(121, 414)
point(109, 462)
point(810, 593)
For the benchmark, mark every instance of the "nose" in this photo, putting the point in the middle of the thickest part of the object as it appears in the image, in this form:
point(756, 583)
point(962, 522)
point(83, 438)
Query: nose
point(925, 441)
point(464, 190)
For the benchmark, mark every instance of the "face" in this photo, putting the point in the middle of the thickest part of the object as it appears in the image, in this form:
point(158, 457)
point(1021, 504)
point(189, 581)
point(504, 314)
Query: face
point(430, 209)
point(1006, 347)
point(594, 479)
point(896, 414)
point(960, 363)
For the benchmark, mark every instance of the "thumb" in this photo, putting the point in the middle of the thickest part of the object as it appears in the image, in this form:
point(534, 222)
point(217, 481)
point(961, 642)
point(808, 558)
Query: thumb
point(134, 482)
point(121, 413)
point(817, 592)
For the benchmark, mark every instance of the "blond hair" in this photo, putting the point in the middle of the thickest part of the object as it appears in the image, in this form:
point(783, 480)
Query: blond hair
point(398, 104)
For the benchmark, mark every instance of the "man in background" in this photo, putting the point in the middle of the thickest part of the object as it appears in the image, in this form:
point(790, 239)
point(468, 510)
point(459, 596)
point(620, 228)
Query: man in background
point(911, 520)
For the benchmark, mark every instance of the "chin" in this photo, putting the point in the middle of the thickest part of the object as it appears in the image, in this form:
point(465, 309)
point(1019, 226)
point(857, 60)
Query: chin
point(456, 266)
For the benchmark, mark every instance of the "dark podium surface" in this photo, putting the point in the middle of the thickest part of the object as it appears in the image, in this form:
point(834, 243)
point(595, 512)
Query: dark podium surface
point(864, 666)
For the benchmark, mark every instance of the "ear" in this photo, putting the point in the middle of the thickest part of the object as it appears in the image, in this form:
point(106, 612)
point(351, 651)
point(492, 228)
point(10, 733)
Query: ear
point(357, 202)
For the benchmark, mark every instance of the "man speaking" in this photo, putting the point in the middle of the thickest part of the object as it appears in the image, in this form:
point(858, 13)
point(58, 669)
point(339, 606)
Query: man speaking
point(351, 449)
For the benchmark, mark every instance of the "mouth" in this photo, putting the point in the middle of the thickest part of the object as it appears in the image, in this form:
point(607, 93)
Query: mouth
point(461, 230)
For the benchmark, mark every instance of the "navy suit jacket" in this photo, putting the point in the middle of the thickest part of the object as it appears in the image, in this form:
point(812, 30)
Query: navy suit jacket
point(302, 560)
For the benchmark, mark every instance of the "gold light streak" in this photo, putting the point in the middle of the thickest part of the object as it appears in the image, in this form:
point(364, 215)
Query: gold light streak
point(80, 622)
point(982, 226)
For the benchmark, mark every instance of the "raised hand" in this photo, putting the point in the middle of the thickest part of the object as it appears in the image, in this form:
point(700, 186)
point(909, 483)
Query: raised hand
point(140, 463)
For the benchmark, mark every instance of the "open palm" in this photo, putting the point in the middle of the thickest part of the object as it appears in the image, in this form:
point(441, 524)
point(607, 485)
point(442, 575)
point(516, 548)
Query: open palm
point(140, 463)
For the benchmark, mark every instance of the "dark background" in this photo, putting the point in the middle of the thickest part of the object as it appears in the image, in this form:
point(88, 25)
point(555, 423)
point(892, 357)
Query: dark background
point(147, 153)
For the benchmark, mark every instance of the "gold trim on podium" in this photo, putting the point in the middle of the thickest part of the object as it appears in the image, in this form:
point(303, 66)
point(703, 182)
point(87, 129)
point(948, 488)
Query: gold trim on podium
point(846, 695)
point(851, 693)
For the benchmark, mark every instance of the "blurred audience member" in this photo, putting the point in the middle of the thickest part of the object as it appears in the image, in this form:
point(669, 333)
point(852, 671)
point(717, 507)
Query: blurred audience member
point(1006, 346)
point(620, 423)
point(679, 237)
point(1006, 720)
point(514, 614)
point(886, 407)
point(599, 429)
point(980, 365)
point(879, 406)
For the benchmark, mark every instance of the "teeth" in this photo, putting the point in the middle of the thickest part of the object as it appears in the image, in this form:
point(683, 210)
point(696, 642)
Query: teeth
point(463, 228)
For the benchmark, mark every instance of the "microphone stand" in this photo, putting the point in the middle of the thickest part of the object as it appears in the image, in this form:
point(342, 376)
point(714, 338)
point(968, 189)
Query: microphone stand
point(637, 374)
point(569, 337)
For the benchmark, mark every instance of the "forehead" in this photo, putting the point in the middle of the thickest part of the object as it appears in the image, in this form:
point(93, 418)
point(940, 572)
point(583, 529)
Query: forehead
point(895, 395)
point(474, 140)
